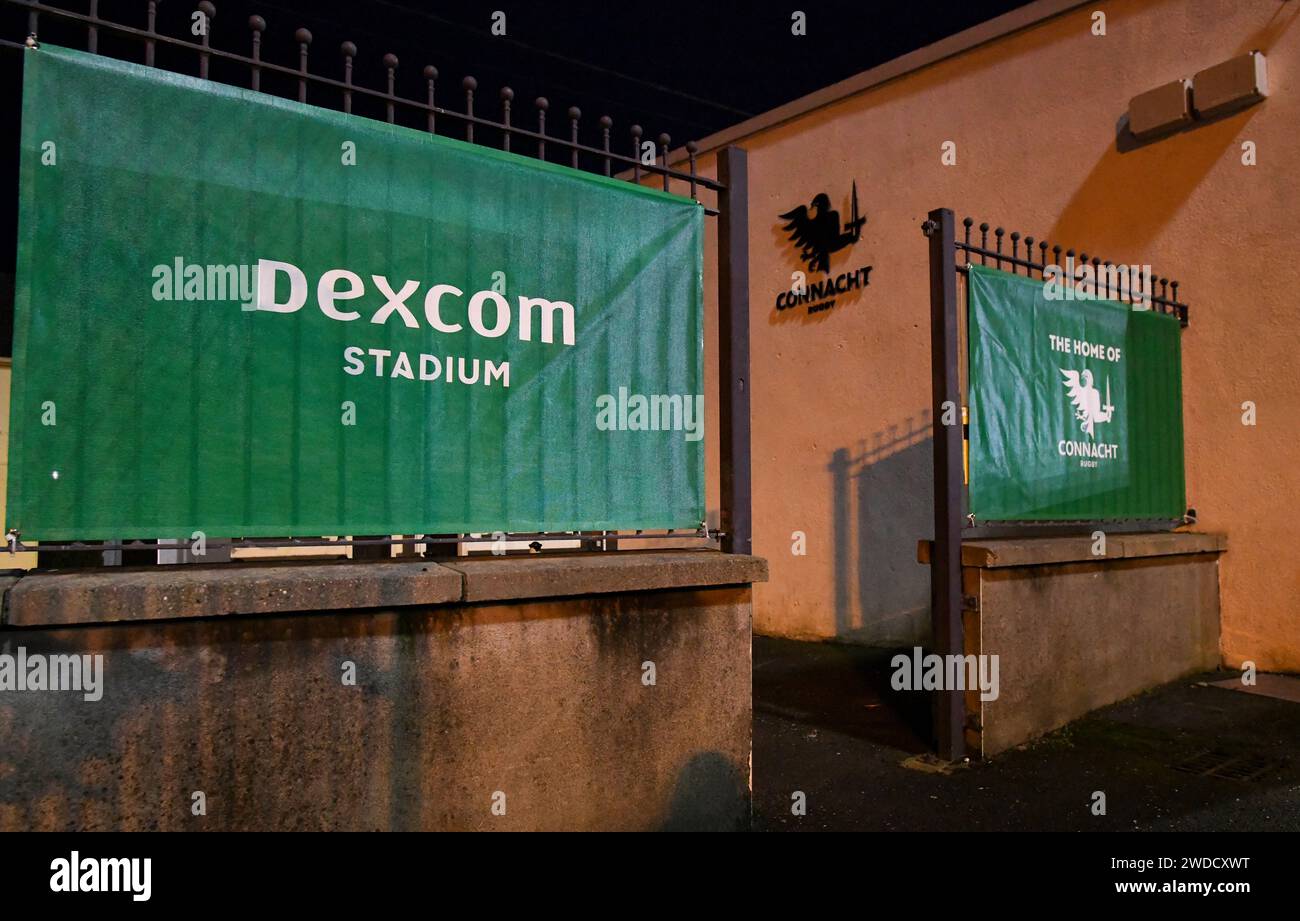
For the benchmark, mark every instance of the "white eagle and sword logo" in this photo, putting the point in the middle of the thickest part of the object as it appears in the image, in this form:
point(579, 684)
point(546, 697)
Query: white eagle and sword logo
point(1088, 407)
point(817, 232)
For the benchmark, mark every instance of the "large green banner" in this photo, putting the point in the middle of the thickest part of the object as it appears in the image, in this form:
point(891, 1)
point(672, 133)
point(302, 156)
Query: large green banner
point(250, 317)
point(1075, 406)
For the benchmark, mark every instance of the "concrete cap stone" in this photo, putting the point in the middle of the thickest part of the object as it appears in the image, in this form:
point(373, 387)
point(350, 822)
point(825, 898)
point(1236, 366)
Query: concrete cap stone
point(542, 576)
point(99, 596)
point(169, 592)
point(1045, 551)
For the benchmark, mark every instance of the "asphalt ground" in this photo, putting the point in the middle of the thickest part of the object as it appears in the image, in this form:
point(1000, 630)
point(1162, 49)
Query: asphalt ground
point(827, 725)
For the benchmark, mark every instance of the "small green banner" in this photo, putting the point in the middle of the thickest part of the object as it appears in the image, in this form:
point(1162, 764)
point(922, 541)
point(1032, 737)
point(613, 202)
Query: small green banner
point(1076, 407)
point(245, 316)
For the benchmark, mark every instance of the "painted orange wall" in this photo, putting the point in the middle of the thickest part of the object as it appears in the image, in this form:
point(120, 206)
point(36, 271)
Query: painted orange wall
point(840, 399)
point(8, 560)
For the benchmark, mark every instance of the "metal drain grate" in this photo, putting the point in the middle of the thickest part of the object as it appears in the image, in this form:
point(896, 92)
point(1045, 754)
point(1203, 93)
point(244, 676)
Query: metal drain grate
point(1230, 765)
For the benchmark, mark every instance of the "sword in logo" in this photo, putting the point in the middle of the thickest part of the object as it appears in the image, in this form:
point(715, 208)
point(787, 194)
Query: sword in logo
point(855, 225)
point(1108, 408)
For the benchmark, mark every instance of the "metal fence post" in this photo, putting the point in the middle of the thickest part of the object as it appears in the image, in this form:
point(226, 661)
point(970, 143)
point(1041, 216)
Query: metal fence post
point(945, 559)
point(733, 351)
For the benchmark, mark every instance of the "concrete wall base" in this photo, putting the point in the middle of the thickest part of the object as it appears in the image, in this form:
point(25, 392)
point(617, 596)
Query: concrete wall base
point(540, 705)
point(1074, 631)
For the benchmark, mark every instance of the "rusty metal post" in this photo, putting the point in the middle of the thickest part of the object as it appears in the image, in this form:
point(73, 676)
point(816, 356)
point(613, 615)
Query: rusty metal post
point(733, 351)
point(945, 559)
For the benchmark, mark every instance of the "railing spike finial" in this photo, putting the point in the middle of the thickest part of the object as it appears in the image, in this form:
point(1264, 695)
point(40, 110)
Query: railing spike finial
point(150, 30)
point(606, 123)
point(635, 131)
point(507, 97)
point(390, 64)
point(303, 38)
point(574, 114)
point(469, 85)
point(257, 25)
point(542, 104)
point(692, 148)
point(209, 12)
point(349, 53)
point(664, 142)
point(431, 77)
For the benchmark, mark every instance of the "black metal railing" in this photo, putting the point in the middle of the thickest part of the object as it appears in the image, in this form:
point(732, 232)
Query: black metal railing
point(1071, 266)
point(654, 162)
point(729, 189)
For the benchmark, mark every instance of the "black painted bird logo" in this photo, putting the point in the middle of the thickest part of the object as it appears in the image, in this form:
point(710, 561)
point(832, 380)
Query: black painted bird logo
point(817, 232)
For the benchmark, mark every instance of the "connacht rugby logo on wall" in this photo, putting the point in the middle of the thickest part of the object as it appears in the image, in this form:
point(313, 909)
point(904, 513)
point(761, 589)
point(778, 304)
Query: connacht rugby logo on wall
point(816, 230)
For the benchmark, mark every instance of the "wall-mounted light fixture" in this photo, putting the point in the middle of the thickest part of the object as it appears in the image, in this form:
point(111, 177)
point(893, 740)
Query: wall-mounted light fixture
point(1232, 85)
point(1162, 110)
point(1213, 92)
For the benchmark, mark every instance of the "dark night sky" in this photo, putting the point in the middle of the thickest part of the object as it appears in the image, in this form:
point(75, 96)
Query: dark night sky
point(689, 70)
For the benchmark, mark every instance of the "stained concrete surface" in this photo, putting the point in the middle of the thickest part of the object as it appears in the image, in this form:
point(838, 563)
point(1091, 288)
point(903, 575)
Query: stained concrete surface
point(542, 702)
point(1073, 637)
point(827, 723)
